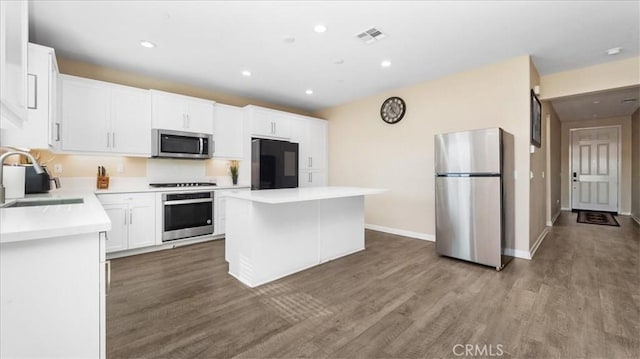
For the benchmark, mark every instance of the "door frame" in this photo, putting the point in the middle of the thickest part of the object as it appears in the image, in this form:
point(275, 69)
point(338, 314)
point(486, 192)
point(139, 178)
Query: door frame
point(570, 159)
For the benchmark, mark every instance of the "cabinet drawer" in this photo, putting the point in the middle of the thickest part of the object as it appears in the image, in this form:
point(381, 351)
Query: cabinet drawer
point(138, 198)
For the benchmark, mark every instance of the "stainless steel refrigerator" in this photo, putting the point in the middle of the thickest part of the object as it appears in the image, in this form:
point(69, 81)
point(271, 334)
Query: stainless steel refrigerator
point(474, 196)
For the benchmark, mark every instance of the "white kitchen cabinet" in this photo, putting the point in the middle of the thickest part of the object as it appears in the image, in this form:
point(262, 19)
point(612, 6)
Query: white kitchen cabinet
point(14, 35)
point(228, 132)
point(98, 116)
point(133, 220)
point(181, 113)
point(311, 135)
point(220, 213)
point(309, 178)
point(52, 297)
point(269, 123)
point(42, 128)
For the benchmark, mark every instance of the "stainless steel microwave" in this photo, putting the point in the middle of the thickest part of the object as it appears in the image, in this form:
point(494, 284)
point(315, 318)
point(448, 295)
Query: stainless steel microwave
point(179, 144)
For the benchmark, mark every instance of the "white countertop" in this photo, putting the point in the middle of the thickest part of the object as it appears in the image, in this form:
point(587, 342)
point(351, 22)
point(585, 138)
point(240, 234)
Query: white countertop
point(289, 195)
point(147, 188)
point(50, 221)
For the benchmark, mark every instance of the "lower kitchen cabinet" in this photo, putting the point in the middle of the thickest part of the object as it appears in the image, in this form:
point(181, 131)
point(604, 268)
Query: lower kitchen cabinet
point(52, 297)
point(133, 220)
point(312, 178)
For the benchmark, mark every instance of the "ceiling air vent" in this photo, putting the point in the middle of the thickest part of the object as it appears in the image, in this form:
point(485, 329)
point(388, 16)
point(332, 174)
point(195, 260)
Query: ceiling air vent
point(370, 35)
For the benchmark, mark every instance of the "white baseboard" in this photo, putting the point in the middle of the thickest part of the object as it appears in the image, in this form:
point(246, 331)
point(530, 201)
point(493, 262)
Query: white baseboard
point(636, 218)
point(565, 209)
point(624, 213)
point(538, 242)
point(517, 253)
point(554, 218)
point(402, 232)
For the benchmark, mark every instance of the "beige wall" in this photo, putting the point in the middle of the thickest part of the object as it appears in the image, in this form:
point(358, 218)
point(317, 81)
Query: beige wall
point(87, 166)
point(635, 158)
point(365, 151)
point(537, 183)
point(625, 160)
point(617, 74)
point(554, 162)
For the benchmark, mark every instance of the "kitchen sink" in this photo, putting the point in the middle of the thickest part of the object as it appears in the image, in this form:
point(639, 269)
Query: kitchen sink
point(42, 202)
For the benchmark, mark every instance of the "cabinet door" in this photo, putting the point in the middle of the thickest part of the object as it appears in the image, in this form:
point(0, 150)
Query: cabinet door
point(85, 115)
point(312, 178)
point(142, 220)
point(270, 123)
point(130, 121)
point(14, 35)
point(168, 111)
point(220, 213)
point(34, 132)
point(55, 136)
point(199, 116)
point(228, 132)
point(317, 144)
point(300, 134)
point(117, 236)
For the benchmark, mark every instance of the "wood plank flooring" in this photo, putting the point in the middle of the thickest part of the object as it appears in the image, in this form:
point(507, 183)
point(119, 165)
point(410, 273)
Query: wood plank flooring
point(578, 298)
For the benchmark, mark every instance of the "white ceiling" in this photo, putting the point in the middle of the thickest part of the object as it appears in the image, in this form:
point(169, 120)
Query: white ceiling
point(209, 43)
point(597, 105)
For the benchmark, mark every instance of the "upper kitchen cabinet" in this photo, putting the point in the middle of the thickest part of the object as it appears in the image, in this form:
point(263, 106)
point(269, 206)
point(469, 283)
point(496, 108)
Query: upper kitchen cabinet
point(14, 35)
point(311, 135)
point(268, 123)
point(103, 117)
point(181, 113)
point(228, 131)
point(42, 128)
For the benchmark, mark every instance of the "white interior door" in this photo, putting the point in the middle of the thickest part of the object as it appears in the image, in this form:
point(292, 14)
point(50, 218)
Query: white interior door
point(594, 169)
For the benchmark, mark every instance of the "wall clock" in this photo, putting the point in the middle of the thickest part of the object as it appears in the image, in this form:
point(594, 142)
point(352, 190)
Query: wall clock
point(392, 110)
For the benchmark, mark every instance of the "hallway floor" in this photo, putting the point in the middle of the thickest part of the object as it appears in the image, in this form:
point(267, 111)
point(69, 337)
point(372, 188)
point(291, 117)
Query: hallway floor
point(579, 297)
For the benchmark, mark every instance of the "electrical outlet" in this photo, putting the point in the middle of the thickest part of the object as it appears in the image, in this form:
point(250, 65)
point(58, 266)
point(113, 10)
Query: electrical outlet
point(120, 168)
point(57, 168)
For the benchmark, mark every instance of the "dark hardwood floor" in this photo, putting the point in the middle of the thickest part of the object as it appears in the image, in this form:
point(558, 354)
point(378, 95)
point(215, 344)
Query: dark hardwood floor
point(579, 297)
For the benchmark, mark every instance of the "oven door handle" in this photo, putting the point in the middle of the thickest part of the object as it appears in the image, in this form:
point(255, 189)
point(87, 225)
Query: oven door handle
point(187, 201)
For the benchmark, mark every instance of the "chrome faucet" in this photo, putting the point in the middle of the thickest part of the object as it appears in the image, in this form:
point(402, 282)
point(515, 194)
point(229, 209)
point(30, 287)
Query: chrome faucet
point(36, 167)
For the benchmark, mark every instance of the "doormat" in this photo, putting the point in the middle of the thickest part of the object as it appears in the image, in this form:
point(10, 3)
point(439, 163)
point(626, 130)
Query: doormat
point(602, 218)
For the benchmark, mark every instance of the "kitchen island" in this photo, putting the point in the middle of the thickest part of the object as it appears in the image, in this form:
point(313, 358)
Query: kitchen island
point(274, 233)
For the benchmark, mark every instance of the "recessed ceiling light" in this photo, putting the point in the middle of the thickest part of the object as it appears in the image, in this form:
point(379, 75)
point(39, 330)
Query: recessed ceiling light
point(385, 63)
point(320, 28)
point(309, 92)
point(596, 102)
point(289, 39)
point(147, 44)
point(614, 51)
point(246, 73)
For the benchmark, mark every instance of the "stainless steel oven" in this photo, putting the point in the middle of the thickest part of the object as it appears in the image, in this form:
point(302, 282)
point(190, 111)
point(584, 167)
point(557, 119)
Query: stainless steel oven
point(187, 214)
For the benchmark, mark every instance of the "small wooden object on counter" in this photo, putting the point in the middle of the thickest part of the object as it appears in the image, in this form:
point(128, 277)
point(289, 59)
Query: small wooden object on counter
point(102, 181)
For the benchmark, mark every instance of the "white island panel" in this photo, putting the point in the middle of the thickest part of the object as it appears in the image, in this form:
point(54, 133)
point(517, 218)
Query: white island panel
point(274, 233)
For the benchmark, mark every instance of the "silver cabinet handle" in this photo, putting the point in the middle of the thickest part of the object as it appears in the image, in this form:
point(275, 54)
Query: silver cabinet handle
point(130, 217)
point(108, 263)
point(32, 100)
point(57, 132)
point(310, 177)
point(310, 162)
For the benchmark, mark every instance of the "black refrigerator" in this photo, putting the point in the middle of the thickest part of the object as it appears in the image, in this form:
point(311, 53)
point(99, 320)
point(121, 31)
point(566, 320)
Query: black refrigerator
point(274, 164)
